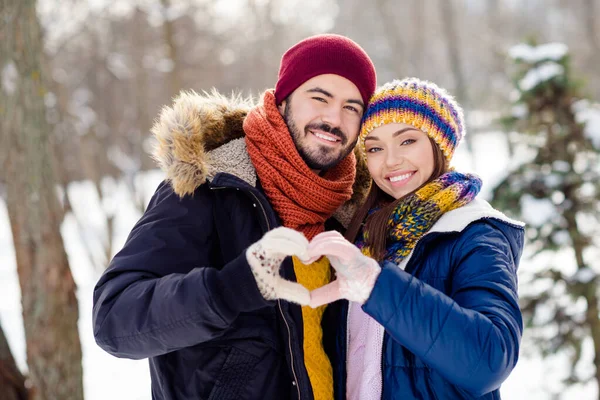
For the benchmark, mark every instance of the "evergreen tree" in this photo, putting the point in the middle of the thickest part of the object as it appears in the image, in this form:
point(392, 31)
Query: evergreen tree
point(555, 188)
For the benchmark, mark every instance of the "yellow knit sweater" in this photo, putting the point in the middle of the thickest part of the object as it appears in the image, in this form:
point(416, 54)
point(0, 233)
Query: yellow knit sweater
point(317, 363)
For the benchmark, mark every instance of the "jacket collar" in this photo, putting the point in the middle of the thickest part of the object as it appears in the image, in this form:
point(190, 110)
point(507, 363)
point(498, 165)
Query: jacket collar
point(201, 135)
point(458, 219)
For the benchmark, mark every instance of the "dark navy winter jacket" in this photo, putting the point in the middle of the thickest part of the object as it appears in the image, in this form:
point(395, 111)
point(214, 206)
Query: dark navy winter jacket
point(450, 311)
point(181, 292)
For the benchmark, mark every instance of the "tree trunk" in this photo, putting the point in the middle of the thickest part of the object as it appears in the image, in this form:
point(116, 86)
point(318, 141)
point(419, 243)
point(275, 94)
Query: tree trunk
point(581, 242)
point(590, 25)
point(592, 317)
point(12, 382)
point(591, 29)
point(453, 46)
point(593, 322)
point(50, 309)
point(419, 42)
point(389, 23)
point(169, 35)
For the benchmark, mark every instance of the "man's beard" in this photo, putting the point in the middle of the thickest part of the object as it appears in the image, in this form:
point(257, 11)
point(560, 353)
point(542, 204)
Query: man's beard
point(322, 158)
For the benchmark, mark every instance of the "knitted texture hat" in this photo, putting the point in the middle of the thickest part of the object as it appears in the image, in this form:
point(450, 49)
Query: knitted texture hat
point(325, 54)
point(421, 104)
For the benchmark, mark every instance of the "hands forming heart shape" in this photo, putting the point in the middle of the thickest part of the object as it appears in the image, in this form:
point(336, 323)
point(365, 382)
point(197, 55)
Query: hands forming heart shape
point(355, 273)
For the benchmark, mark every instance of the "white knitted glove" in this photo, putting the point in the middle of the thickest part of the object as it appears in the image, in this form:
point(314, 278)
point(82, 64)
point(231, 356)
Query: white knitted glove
point(356, 273)
point(265, 257)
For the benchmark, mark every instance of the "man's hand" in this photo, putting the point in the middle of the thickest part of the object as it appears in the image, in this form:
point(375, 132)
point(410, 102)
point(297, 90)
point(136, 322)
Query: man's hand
point(265, 257)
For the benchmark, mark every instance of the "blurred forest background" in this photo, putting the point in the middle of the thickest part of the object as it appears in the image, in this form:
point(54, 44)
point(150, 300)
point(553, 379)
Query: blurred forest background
point(82, 81)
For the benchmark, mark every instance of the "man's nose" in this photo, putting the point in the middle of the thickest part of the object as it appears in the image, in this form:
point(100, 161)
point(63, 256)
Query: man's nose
point(332, 116)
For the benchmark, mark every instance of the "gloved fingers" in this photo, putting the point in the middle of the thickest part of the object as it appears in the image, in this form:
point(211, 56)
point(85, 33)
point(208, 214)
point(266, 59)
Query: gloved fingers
point(307, 259)
point(284, 241)
point(321, 236)
point(328, 235)
point(291, 291)
point(339, 248)
point(283, 232)
point(325, 294)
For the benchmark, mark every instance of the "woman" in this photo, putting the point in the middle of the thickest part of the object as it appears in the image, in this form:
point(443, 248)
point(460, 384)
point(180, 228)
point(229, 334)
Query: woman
point(439, 319)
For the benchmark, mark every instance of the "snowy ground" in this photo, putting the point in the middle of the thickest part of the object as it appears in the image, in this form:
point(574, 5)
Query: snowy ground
point(106, 377)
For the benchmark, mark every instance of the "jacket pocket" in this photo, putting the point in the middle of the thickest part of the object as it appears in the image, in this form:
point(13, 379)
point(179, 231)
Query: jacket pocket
point(234, 376)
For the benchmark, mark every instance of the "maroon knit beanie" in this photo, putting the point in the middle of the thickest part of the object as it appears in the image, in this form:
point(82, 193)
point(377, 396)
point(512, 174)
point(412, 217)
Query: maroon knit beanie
point(325, 54)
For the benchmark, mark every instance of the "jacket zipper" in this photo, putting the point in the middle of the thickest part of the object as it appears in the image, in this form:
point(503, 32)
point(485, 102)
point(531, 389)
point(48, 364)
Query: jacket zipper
point(280, 309)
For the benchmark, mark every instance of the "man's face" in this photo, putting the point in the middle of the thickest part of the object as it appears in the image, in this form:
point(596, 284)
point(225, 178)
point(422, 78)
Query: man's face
point(323, 116)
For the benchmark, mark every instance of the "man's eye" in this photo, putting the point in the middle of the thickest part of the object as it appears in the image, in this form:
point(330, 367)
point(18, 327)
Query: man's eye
point(320, 99)
point(353, 109)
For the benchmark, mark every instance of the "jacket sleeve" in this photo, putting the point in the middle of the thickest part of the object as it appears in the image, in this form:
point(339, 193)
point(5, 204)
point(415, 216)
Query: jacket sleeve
point(471, 336)
point(159, 293)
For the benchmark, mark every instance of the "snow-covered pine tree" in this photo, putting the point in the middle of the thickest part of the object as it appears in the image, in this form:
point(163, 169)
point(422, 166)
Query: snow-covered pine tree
point(555, 187)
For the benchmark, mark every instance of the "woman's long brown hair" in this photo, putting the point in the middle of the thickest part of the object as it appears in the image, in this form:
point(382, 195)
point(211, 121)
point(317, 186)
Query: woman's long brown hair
point(377, 223)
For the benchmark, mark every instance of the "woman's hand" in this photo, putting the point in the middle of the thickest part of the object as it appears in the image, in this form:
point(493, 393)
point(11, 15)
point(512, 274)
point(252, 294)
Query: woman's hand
point(356, 273)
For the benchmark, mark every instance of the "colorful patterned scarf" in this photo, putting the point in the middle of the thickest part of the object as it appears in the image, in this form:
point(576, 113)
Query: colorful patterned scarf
point(417, 213)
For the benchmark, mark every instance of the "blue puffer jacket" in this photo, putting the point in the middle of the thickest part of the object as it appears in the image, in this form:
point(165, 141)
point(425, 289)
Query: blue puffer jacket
point(450, 310)
point(181, 292)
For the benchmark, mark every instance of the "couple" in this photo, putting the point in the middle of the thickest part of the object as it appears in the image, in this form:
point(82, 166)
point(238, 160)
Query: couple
point(235, 281)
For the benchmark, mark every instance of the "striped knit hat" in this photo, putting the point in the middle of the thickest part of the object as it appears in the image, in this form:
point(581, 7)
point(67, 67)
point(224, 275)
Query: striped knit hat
point(421, 104)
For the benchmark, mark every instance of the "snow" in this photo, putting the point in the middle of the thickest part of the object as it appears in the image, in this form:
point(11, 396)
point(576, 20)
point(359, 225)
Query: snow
point(9, 79)
point(491, 161)
point(562, 238)
point(536, 212)
point(561, 166)
point(587, 223)
point(557, 197)
point(107, 377)
point(533, 54)
point(589, 114)
point(539, 75)
point(79, 108)
point(584, 275)
point(479, 120)
point(117, 64)
point(553, 180)
point(520, 111)
point(50, 100)
point(122, 160)
point(591, 255)
point(587, 190)
point(165, 65)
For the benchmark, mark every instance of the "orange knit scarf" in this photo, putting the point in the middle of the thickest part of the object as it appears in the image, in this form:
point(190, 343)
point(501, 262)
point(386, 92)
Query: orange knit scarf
point(301, 198)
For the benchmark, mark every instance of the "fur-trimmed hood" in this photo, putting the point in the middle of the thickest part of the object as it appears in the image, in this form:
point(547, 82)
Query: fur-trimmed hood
point(201, 135)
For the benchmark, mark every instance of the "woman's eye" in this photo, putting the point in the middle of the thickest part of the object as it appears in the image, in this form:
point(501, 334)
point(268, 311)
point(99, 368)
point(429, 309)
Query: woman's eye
point(407, 141)
point(373, 149)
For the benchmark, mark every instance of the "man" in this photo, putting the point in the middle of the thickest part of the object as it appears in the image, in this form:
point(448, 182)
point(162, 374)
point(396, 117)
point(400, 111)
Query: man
point(199, 288)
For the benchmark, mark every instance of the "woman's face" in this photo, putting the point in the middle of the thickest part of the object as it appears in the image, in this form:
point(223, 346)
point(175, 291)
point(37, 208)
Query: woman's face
point(399, 157)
